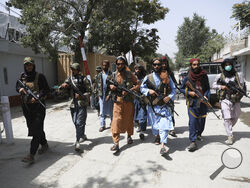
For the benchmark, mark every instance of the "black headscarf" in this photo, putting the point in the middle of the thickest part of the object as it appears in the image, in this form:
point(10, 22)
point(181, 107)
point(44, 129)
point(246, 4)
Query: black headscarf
point(228, 74)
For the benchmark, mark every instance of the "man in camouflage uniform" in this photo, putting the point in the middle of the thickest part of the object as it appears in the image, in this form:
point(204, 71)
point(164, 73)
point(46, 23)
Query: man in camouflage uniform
point(34, 112)
point(105, 101)
point(79, 103)
point(95, 90)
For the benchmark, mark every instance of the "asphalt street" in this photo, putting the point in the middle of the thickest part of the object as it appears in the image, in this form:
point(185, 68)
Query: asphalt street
point(137, 165)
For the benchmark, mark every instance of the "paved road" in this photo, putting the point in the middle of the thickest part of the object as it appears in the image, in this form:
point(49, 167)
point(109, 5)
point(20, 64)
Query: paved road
point(138, 165)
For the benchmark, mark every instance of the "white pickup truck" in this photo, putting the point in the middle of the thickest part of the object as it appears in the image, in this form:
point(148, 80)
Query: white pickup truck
point(213, 69)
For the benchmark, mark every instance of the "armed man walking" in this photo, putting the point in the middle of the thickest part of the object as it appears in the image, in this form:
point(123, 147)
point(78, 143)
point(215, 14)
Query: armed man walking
point(123, 112)
point(160, 89)
point(80, 90)
point(196, 82)
point(33, 83)
point(140, 116)
point(225, 83)
point(166, 67)
point(95, 90)
point(105, 101)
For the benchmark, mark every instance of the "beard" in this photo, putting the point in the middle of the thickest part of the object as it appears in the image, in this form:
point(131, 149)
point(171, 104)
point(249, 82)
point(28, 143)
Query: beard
point(157, 70)
point(196, 70)
point(120, 69)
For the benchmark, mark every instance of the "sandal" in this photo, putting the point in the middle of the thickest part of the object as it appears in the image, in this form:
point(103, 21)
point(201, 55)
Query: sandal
point(163, 151)
point(157, 140)
point(115, 147)
point(129, 140)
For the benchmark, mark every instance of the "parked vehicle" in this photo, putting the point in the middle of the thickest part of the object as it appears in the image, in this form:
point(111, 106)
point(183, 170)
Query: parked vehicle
point(182, 74)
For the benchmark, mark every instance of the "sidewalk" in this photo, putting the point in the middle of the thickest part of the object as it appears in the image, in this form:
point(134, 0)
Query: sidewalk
point(138, 165)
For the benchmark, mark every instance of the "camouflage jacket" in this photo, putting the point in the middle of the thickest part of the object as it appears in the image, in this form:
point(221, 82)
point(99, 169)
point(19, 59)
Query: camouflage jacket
point(83, 84)
point(99, 84)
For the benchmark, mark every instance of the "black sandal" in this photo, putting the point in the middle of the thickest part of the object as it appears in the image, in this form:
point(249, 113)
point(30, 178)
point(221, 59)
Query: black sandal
point(115, 147)
point(129, 140)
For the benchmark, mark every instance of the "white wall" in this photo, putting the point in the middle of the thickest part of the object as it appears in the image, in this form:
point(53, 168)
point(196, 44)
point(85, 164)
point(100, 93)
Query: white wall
point(11, 58)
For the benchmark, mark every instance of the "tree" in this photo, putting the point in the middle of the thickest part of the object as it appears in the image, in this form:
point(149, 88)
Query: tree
point(51, 24)
point(195, 40)
point(213, 45)
point(117, 26)
point(192, 35)
point(241, 12)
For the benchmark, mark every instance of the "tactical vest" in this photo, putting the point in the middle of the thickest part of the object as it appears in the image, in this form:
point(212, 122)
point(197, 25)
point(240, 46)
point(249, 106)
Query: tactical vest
point(127, 82)
point(33, 87)
point(223, 94)
point(80, 83)
point(164, 89)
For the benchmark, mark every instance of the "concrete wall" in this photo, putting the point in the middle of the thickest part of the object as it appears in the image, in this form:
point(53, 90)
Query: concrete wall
point(11, 59)
point(247, 72)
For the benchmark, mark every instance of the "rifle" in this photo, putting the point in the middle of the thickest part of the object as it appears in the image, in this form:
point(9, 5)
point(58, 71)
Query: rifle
point(140, 98)
point(76, 89)
point(234, 87)
point(160, 96)
point(200, 96)
point(30, 93)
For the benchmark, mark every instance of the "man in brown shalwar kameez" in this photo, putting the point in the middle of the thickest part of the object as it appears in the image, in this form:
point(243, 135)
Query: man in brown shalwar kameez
point(123, 111)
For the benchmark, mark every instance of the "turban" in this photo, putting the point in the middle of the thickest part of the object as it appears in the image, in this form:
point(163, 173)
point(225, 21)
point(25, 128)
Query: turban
point(194, 59)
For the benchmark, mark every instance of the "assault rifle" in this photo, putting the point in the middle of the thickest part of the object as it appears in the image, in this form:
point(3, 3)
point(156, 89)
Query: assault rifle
point(29, 93)
point(234, 87)
point(76, 89)
point(140, 98)
point(202, 98)
point(160, 96)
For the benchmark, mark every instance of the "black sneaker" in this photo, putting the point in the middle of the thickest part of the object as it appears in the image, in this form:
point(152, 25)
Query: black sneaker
point(192, 147)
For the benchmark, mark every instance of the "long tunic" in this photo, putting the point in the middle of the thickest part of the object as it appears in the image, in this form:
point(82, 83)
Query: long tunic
point(157, 122)
point(106, 107)
point(123, 112)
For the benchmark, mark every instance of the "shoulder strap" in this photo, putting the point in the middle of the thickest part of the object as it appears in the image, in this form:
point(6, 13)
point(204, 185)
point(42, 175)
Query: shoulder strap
point(151, 78)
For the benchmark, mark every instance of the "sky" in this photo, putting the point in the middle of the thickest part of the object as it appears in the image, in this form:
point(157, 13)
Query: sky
point(216, 12)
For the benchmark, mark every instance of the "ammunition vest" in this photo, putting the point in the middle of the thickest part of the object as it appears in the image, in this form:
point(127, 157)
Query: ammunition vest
point(127, 82)
point(223, 94)
point(164, 89)
point(33, 87)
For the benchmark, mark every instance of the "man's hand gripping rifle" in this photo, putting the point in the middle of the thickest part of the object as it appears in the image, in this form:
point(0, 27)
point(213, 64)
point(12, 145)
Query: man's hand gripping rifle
point(160, 96)
point(29, 93)
point(202, 98)
point(119, 87)
point(233, 87)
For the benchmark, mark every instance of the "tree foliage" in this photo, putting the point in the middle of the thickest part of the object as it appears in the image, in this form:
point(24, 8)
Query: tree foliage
point(241, 12)
point(110, 23)
point(118, 26)
point(195, 40)
point(51, 24)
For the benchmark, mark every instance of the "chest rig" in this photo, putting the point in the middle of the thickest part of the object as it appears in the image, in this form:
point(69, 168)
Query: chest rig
point(163, 90)
point(127, 82)
point(33, 85)
point(224, 94)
